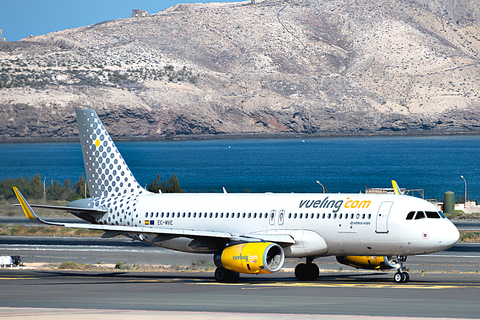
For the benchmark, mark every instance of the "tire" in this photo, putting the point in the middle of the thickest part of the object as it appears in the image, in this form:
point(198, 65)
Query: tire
point(313, 271)
point(301, 272)
point(226, 276)
point(306, 272)
point(398, 277)
point(407, 277)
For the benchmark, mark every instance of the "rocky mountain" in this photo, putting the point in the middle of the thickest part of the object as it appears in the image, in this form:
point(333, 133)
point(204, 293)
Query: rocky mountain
point(253, 68)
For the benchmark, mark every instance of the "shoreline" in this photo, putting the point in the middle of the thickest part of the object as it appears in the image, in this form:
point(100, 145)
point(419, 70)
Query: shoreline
point(242, 136)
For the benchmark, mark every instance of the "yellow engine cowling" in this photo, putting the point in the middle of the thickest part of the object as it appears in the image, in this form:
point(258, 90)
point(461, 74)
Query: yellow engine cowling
point(251, 257)
point(370, 262)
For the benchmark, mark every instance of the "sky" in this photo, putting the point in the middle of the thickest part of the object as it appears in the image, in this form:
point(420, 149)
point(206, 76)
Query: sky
point(22, 18)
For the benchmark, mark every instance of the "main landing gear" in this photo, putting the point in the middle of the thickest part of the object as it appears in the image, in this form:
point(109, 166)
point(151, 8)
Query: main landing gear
point(307, 271)
point(226, 276)
point(401, 276)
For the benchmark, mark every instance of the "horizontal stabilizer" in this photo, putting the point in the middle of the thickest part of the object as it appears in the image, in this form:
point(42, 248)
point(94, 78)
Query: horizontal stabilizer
point(69, 209)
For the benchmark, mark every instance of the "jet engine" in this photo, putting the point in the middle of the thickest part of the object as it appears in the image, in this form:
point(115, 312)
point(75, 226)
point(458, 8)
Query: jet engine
point(251, 257)
point(370, 262)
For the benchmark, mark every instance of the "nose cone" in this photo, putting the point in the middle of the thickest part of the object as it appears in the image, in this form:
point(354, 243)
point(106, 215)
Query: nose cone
point(448, 236)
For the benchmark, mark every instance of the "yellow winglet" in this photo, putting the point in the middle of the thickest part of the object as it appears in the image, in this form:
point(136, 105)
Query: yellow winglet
point(25, 206)
point(396, 189)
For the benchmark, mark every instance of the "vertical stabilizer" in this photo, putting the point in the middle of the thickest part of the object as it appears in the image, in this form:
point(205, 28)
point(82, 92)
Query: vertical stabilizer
point(107, 173)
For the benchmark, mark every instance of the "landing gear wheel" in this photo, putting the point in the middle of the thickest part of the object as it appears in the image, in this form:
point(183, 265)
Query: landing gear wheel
point(301, 271)
point(226, 276)
point(313, 271)
point(398, 277)
point(306, 272)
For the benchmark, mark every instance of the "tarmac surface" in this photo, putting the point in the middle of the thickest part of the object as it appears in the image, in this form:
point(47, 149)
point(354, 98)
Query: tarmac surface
point(442, 285)
point(366, 293)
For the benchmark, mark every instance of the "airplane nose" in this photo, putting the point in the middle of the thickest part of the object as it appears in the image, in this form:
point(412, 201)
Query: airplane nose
point(449, 236)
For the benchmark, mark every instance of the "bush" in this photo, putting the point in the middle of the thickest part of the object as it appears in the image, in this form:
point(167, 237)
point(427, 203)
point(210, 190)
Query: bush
point(68, 265)
point(122, 265)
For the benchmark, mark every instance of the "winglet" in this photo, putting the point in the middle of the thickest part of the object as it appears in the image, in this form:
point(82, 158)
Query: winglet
point(25, 206)
point(396, 188)
point(27, 209)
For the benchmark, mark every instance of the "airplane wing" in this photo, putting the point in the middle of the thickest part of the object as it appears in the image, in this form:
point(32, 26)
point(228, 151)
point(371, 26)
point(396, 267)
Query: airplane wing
point(113, 230)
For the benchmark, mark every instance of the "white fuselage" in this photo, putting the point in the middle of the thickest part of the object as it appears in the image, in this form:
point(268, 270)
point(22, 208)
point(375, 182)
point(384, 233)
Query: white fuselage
point(321, 224)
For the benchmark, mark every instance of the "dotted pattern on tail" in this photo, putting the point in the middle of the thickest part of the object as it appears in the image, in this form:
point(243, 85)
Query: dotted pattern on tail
point(107, 173)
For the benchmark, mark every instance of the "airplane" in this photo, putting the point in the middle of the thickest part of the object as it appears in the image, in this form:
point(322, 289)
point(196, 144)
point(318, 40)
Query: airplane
point(252, 233)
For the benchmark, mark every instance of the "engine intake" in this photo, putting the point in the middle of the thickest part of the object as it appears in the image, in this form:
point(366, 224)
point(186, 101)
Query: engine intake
point(251, 257)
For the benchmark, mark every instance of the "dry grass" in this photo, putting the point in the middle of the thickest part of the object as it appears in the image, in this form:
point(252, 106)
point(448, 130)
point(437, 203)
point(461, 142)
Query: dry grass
point(46, 231)
point(469, 236)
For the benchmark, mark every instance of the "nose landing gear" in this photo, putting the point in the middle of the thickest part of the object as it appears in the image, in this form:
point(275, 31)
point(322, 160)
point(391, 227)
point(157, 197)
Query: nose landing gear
point(401, 275)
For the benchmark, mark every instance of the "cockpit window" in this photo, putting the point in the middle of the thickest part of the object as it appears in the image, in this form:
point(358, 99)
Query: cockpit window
point(410, 215)
point(420, 215)
point(432, 214)
point(426, 214)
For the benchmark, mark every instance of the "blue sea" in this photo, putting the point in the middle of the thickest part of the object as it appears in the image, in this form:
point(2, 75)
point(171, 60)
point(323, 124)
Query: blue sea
point(433, 164)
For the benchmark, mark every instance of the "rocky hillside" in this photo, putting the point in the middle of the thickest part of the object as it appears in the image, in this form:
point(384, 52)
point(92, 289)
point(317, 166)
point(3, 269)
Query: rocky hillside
point(260, 68)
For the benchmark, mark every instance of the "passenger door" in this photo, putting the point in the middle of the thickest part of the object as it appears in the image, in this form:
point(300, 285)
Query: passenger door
point(382, 217)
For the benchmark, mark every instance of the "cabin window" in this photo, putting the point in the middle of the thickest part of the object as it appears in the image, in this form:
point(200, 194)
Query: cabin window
point(329, 215)
point(211, 214)
point(244, 215)
point(156, 215)
point(295, 216)
point(216, 214)
point(146, 214)
point(363, 216)
point(369, 216)
point(432, 214)
point(300, 216)
point(260, 215)
point(249, 215)
point(255, 215)
point(420, 215)
point(238, 215)
point(151, 213)
point(168, 214)
point(290, 216)
point(205, 215)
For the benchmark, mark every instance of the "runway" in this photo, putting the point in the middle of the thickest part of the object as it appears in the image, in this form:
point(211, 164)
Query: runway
point(338, 291)
point(367, 293)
